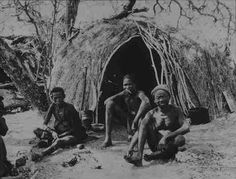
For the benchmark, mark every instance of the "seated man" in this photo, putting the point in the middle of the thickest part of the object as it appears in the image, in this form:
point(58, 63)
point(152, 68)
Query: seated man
point(164, 117)
point(5, 165)
point(129, 106)
point(68, 129)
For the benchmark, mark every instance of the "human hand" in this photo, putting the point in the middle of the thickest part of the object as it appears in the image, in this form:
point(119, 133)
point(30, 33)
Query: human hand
point(134, 126)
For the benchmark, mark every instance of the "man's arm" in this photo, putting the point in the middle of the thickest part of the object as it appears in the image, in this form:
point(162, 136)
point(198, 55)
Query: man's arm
point(184, 123)
point(114, 97)
point(49, 114)
point(143, 108)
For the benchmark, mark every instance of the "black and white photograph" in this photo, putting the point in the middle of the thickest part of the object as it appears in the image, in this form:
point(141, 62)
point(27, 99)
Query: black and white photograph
point(118, 89)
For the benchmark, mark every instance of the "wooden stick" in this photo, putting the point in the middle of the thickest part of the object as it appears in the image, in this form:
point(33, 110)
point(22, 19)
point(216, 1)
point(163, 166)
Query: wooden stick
point(150, 51)
point(2, 86)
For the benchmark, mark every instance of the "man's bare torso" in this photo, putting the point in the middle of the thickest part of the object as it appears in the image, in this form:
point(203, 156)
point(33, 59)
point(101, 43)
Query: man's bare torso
point(167, 120)
point(132, 102)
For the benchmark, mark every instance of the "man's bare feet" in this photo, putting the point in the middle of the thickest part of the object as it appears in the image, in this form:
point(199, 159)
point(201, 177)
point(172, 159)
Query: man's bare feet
point(134, 160)
point(106, 143)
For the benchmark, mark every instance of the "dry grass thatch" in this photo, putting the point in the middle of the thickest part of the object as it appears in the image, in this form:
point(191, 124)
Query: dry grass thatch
point(80, 65)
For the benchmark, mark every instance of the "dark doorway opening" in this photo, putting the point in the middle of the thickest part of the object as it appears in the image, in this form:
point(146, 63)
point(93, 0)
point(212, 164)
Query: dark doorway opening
point(131, 58)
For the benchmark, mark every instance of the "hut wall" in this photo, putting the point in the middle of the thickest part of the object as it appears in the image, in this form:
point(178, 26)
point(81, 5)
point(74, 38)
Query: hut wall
point(90, 50)
point(208, 73)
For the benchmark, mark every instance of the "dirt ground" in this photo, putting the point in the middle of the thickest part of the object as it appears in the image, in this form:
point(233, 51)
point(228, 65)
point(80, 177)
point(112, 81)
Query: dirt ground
point(210, 154)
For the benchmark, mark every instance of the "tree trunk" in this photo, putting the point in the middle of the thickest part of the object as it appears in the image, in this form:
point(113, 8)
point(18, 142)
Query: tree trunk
point(11, 63)
point(71, 13)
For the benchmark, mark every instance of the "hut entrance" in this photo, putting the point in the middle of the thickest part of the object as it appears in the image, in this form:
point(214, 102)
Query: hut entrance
point(132, 57)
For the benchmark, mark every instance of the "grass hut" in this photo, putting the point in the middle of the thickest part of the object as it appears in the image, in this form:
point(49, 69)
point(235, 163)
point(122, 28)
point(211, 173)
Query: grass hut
point(90, 68)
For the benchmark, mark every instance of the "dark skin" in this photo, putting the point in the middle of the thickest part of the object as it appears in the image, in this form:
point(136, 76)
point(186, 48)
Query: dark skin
point(165, 117)
point(58, 100)
point(136, 103)
point(62, 139)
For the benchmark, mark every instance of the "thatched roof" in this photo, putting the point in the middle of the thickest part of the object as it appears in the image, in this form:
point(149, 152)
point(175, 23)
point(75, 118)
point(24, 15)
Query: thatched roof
point(90, 49)
point(80, 66)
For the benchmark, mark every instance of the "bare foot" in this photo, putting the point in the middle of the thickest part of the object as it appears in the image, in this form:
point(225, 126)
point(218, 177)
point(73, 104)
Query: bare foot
point(149, 157)
point(134, 160)
point(129, 154)
point(106, 143)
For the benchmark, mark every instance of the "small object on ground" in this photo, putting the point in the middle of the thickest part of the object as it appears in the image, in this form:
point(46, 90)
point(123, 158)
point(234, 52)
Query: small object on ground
point(21, 161)
point(64, 164)
point(80, 146)
point(87, 118)
point(36, 157)
point(98, 167)
point(71, 163)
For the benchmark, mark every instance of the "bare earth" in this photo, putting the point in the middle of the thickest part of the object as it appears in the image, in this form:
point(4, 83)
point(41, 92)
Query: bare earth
point(210, 154)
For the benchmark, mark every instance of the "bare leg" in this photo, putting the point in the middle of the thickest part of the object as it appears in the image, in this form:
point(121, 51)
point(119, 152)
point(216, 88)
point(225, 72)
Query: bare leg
point(142, 136)
point(133, 142)
point(108, 119)
point(111, 109)
point(168, 151)
point(60, 142)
